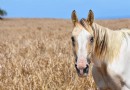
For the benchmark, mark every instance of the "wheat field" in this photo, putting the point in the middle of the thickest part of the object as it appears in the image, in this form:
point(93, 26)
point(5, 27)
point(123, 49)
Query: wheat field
point(36, 54)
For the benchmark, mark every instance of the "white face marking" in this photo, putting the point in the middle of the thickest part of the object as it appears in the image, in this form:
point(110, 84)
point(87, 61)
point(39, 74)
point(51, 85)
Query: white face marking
point(82, 44)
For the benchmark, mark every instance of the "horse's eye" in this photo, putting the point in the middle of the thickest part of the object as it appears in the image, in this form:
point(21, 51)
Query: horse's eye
point(91, 39)
point(73, 41)
point(72, 38)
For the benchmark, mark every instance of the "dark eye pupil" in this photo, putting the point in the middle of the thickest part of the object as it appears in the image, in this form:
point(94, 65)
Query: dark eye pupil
point(72, 38)
point(73, 41)
point(91, 39)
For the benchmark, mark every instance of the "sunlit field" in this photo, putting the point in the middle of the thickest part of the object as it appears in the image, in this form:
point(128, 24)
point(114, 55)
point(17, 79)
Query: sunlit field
point(36, 54)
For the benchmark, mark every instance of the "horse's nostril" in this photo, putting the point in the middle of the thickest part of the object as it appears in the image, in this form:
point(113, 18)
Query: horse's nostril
point(77, 68)
point(85, 70)
point(82, 70)
point(87, 66)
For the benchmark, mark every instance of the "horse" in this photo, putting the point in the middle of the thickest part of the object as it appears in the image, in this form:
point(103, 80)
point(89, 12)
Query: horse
point(108, 51)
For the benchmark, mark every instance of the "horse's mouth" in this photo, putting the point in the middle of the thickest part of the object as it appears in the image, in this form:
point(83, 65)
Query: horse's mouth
point(81, 73)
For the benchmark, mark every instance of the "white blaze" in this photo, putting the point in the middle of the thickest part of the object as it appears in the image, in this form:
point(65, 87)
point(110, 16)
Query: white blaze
point(82, 40)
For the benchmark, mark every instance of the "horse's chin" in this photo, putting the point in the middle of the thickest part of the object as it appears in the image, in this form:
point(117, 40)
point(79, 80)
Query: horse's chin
point(83, 75)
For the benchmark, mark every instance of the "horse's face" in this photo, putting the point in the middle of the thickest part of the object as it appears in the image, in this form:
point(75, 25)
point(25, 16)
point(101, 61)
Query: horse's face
point(82, 41)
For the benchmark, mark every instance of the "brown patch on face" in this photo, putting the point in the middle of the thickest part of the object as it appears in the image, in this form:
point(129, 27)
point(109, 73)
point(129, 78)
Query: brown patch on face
point(90, 47)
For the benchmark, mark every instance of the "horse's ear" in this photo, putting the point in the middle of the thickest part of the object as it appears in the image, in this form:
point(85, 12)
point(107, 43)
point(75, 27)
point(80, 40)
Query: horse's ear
point(90, 18)
point(74, 17)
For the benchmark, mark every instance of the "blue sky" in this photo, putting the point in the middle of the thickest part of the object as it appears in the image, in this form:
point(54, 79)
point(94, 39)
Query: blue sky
point(103, 9)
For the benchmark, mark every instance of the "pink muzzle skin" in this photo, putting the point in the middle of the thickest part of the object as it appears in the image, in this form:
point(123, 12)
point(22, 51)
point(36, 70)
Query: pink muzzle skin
point(82, 67)
point(81, 64)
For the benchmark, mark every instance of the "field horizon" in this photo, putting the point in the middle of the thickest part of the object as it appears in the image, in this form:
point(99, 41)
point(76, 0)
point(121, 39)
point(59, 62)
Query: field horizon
point(36, 54)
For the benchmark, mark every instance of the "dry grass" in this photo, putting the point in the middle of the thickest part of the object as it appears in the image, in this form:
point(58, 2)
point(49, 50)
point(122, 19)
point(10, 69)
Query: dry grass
point(35, 54)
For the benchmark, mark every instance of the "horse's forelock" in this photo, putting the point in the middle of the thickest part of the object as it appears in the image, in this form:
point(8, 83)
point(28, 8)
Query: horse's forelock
point(86, 25)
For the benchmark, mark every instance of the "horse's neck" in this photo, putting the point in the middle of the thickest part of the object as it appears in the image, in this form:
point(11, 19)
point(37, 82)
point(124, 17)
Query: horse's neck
point(107, 43)
point(113, 66)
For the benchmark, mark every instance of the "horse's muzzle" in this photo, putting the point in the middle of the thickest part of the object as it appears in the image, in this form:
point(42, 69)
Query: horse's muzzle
point(82, 71)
